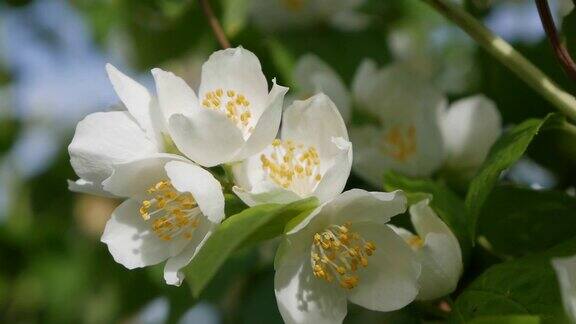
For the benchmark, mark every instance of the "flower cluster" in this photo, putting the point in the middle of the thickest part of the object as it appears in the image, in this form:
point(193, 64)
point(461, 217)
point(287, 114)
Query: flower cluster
point(408, 125)
point(157, 155)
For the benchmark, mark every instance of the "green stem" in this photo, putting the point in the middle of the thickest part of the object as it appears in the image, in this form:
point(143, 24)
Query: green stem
point(508, 56)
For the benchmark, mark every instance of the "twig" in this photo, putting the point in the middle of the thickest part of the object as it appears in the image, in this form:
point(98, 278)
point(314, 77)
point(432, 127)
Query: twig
point(508, 56)
point(559, 49)
point(215, 24)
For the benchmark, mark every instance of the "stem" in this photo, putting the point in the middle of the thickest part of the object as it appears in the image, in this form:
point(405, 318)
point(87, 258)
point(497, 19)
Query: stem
point(214, 24)
point(508, 56)
point(560, 50)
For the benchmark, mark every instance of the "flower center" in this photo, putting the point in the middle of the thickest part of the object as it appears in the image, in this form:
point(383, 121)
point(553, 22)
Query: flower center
point(292, 166)
point(293, 5)
point(415, 242)
point(399, 142)
point(169, 212)
point(233, 104)
point(337, 252)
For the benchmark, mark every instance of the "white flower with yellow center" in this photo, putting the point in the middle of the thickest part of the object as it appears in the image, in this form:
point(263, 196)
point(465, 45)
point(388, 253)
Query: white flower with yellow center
point(312, 157)
point(413, 130)
point(345, 251)
point(105, 138)
point(416, 132)
point(437, 250)
point(232, 117)
point(566, 273)
point(406, 137)
point(173, 206)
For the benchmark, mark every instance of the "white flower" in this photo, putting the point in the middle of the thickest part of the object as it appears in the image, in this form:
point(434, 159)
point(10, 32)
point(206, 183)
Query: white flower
point(416, 134)
point(345, 251)
point(314, 76)
point(437, 250)
point(406, 137)
point(234, 116)
point(173, 206)
point(105, 138)
point(566, 272)
point(470, 127)
point(272, 15)
point(312, 157)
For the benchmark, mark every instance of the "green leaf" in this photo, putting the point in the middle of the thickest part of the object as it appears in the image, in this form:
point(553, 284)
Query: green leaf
point(513, 319)
point(505, 152)
point(250, 226)
point(518, 221)
point(235, 14)
point(525, 286)
point(449, 207)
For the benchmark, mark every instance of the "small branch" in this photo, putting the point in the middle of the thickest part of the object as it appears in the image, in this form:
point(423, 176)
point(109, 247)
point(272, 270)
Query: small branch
point(214, 24)
point(508, 56)
point(560, 50)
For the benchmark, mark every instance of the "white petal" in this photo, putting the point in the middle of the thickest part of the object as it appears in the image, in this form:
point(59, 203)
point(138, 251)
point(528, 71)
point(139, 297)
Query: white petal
point(207, 138)
point(236, 69)
point(103, 139)
point(390, 281)
point(369, 162)
point(404, 103)
point(356, 205)
point(471, 126)
point(206, 190)
point(441, 266)
point(364, 80)
point(265, 193)
point(172, 273)
point(130, 240)
point(174, 95)
point(88, 187)
point(334, 180)
point(267, 126)
point(138, 101)
point(312, 75)
point(314, 122)
point(441, 256)
point(303, 298)
point(132, 178)
point(566, 272)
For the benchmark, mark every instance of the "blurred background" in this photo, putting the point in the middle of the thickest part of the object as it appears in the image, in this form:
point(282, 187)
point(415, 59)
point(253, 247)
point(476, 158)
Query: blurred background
point(53, 268)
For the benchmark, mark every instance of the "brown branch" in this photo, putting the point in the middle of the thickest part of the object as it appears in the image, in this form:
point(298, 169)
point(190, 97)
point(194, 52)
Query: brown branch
point(560, 50)
point(215, 24)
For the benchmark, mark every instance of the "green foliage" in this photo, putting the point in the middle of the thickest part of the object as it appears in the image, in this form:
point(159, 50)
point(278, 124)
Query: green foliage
point(525, 286)
point(234, 16)
point(505, 152)
point(449, 207)
point(512, 319)
point(518, 221)
point(250, 226)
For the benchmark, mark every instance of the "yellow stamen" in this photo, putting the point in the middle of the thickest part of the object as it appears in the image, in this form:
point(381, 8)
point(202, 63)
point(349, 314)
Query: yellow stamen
point(170, 212)
point(331, 257)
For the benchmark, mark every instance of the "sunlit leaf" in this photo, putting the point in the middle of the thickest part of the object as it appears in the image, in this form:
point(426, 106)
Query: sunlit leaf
point(250, 226)
point(511, 319)
point(525, 286)
point(505, 152)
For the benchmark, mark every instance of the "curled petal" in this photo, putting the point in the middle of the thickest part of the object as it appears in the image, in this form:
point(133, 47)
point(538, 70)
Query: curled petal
point(103, 139)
